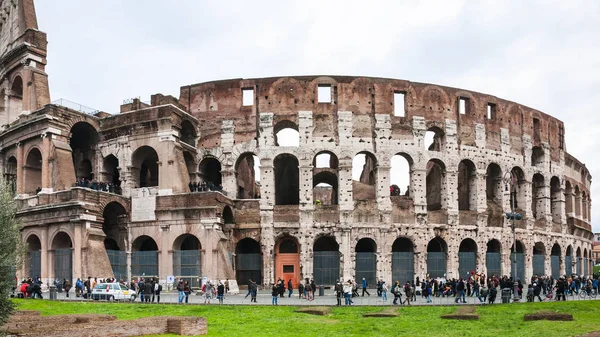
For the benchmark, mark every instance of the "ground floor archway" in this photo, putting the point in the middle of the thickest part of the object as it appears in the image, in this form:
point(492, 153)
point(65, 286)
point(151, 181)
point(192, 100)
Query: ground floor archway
point(467, 258)
point(248, 261)
point(287, 260)
point(493, 258)
point(519, 257)
point(144, 257)
point(436, 257)
point(187, 257)
point(366, 261)
point(326, 261)
point(62, 247)
point(403, 261)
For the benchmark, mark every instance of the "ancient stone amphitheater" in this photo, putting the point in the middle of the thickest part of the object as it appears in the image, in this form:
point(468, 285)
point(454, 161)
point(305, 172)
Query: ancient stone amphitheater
point(291, 178)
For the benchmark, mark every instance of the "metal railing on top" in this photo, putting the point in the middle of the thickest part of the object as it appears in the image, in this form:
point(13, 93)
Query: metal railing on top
point(76, 106)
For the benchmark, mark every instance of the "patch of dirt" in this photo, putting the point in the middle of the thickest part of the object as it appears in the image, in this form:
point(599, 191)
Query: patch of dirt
point(548, 316)
point(388, 312)
point(319, 311)
point(463, 313)
point(31, 324)
point(591, 334)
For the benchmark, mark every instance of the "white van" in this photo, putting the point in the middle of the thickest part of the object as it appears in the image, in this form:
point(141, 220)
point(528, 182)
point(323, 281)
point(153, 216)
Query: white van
point(112, 292)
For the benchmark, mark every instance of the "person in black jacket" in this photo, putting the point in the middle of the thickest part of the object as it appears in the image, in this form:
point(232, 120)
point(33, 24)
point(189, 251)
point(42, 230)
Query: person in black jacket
point(148, 291)
point(274, 293)
point(221, 292)
point(253, 292)
point(290, 288)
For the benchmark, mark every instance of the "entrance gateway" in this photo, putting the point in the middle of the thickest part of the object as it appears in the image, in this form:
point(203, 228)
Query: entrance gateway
point(287, 261)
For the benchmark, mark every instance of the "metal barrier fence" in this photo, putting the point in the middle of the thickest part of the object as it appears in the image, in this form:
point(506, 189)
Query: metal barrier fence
point(568, 265)
point(493, 263)
point(144, 263)
point(555, 266)
point(35, 263)
point(366, 267)
point(248, 267)
point(467, 262)
point(326, 267)
point(187, 266)
point(539, 264)
point(63, 264)
point(520, 272)
point(118, 262)
point(403, 267)
point(436, 264)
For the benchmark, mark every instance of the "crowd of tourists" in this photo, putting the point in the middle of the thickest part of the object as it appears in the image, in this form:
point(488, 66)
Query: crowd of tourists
point(204, 187)
point(98, 185)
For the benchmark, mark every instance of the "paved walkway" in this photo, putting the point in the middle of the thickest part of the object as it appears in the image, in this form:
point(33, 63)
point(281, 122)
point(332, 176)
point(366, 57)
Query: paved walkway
point(264, 298)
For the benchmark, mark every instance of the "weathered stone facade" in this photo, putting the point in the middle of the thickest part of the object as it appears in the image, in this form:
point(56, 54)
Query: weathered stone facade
point(484, 150)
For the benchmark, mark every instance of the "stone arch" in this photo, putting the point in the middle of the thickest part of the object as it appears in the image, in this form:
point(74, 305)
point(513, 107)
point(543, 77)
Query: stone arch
point(188, 133)
point(287, 179)
point(467, 257)
point(112, 172)
point(15, 99)
point(227, 215)
point(401, 167)
point(435, 139)
point(403, 260)
point(287, 259)
point(364, 181)
point(538, 197)
point(467, 185)
point(247, 176)
point(555, 260)
point(539, 258)
point(493, 259)
point(62, 247)
point(568, 197)
point(187, 259)
point(569, 260)
point(520, 259)
point(518, 189)
point(537, 156)
point(286, 133)
point(435, 97)
point(325, 159)
point(578, 264)
point(584, 202)
point(210, 173)
point(493, 183)
point(10, 171)
point(366, 261)
point(144, 257)
point(248, 257)
point(32, 171)
point(436, 185)
point(113, 213)
point(326, 260)
point(577, 194)
point(83, 141)
point(325, 188)
point(437, 250)
point(145, 168)
point(555, 200)
point(33, 260)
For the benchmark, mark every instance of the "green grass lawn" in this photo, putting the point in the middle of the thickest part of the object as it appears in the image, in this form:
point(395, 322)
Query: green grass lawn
point(251, 321)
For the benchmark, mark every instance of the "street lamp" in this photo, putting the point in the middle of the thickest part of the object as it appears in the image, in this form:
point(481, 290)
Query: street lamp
point(509, 178)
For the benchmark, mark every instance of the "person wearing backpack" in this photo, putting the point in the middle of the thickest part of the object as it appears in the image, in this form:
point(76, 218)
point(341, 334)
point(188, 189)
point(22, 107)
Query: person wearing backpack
point(180, 291)
point(397, 293)
point(408, 292)
point(339, 292)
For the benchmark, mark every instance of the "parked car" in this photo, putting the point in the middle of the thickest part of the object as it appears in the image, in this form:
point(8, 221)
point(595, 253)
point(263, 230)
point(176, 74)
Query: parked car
point(113, 292)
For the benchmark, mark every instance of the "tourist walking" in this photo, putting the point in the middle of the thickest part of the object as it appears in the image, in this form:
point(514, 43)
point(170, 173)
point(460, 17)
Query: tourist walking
point(290, 287)
point(221, 292)
point(364, 287)
point(180, 291)
point(384, 291)
point(274, 294)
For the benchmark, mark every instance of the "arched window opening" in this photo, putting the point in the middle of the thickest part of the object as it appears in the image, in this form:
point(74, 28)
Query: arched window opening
point(364, 176)
point(537, 156)
point(145, 169)
point(577, 202)
point(248, 259)
point(112, 174)
point(555, 200)
point(400, 175)
point(493, 258)
point(188, 133)
point(538, 198)
point(435, 186)
point(403, 260)
point(518, 189)
point(539, 258)
point(569, 261)
point(114, 215)
point(10, 173)
point(144, 258)
point(467, 258)
point(287, 180)
point(33, 172)
point(366, 261)
point(15, 99)
point(84, 139)
point(325, 188)
point(227, 215)
point(325, 159)
point(190, 165)
point(568, 198)
point(287, 260)
point(520, 258)
point(493, 183)
point(434, 139)
point(33, 261)
point(62, 247)
point(555, 260)
point(326, 261)
point(436, 257)
point(247, 173)
point(187, 258)
point(467, 186)
point(584, 205)
point(210, 174)
point(2, 100)
point(578, 264)
point(286, 134)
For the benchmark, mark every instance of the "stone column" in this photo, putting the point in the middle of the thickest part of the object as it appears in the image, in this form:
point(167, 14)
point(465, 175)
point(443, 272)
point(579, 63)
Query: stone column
point(384, 202)
point(306, 185)
point(46, 187)
point(418, 186)
point(165, 255)
point(45, 256)
point(347, 255)
point(229, 182)
point(77, 250)
point(20, 165)
point(450, 190)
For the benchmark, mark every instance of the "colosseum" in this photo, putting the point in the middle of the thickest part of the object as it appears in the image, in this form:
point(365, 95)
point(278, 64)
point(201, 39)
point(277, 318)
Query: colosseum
point(290, 177)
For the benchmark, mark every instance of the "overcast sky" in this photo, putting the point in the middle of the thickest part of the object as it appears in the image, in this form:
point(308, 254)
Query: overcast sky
point(545, 54)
